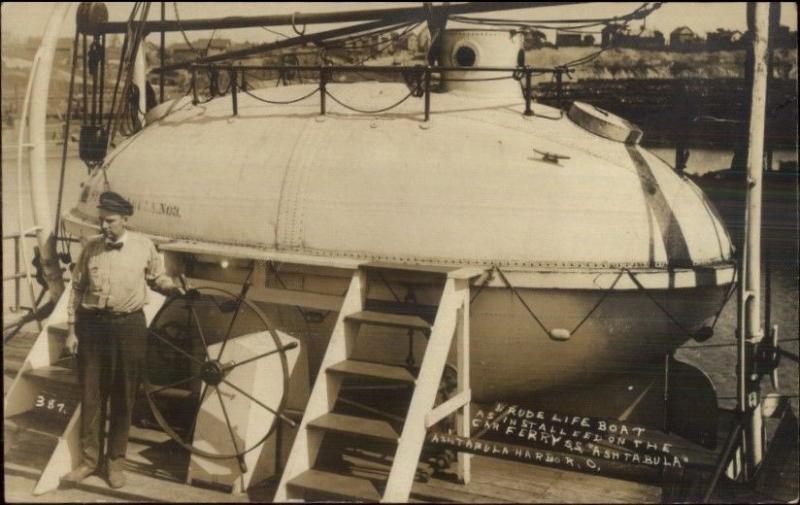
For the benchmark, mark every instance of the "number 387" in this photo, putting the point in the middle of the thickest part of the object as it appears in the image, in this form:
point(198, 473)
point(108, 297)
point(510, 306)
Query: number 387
point(49, 403)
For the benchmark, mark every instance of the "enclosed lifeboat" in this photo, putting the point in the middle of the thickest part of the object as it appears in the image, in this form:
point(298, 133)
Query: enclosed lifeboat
point(600, 258)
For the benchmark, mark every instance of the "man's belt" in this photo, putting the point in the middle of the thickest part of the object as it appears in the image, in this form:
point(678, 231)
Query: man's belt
point(105, 313)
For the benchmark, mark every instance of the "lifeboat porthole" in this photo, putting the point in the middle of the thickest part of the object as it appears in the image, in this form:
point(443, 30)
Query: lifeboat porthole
point(465, 56)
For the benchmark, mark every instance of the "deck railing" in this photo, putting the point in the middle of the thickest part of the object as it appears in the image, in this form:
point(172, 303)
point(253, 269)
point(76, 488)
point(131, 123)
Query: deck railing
point(418, 78)
point(22, 270)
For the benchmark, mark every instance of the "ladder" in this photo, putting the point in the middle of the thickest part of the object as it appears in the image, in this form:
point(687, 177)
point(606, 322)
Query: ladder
point(303, 477)
point(44, 398)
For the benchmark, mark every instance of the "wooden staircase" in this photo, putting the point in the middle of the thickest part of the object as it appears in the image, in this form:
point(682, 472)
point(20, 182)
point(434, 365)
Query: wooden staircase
point(44, 398)
point(306, 476)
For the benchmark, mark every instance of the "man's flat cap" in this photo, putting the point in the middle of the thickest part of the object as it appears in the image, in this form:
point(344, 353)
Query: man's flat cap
point(113, 202)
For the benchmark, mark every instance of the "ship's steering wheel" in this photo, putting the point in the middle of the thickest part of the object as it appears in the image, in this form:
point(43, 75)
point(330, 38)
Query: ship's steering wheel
point(187, 363)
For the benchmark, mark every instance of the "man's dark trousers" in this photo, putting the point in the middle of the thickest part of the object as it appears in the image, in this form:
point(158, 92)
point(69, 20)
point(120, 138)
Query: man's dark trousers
point(111, 354)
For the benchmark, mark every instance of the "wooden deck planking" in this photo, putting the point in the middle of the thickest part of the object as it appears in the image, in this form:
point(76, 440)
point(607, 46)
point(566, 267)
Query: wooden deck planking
point(157, 470)
point(522, 483)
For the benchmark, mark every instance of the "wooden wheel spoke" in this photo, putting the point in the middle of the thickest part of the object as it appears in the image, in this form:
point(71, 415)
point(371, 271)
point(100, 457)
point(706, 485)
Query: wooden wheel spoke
point(199, 330)
point(261, 404)
point(230, 327)
point(176, 348)
point(197, 411)
point(178, 383)
point(287, 347)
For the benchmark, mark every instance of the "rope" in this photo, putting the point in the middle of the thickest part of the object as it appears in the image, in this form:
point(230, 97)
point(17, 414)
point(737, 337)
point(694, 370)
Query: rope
point(378, 111)
point(480, 288)
point(661, 307)
point(502, 78)
point(210, 40)
point(275, 32)
point(600, 301)
point(596, 305)
point(66, 135)
point(288, 102)
point(183, 33)
point(294, 26)
point(640, 12)
point(514, 290)
point(136, 36)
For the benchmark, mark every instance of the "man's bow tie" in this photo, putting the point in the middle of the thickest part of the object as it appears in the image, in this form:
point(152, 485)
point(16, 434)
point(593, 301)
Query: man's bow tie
point(114, 245)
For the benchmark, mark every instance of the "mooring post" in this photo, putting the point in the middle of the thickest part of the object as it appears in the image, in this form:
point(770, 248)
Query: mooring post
point(427, 93)
point(528, 76)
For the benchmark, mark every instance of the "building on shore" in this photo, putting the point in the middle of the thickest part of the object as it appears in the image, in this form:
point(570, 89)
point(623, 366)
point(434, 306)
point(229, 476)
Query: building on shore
point(568, 39)
point(609, 34)
point(647, 39)
point(723, 40)
point(683, 38)
point(785, 38)
point(534, 39)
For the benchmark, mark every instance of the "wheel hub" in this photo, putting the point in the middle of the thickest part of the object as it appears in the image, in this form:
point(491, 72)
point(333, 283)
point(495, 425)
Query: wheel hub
point(212, 373)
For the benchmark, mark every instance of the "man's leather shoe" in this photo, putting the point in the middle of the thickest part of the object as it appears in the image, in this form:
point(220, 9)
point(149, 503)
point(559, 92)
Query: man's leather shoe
point(79, 473)
point(116, 478)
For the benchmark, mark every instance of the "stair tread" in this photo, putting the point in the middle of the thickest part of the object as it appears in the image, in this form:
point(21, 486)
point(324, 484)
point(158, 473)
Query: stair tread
point(59, 374)
point(375, 370)
point(387, 319)
point(363, 426)
point(335, 484)
point(58, 328)
point(37, 422)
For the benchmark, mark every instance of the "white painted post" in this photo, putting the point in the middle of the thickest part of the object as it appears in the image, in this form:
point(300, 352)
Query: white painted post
point(409, 447)
point(140, 80)
point(38, 153)
point(463, 362)
point(752, 281)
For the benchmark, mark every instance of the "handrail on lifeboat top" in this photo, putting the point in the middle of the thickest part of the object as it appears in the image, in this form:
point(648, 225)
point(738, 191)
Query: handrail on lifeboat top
point(421, 75)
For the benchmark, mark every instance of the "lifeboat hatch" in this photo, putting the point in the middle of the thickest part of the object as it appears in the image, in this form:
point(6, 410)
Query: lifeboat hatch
point(481, 48)
point(603, 123)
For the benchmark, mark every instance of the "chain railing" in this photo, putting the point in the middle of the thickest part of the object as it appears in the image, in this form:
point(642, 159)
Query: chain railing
point(417, 77)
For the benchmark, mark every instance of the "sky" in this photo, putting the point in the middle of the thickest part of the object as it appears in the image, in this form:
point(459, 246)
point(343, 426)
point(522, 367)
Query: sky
point(23, 19)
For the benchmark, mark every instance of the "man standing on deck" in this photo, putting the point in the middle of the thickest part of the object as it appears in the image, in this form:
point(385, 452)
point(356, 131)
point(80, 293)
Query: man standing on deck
point(107, 328)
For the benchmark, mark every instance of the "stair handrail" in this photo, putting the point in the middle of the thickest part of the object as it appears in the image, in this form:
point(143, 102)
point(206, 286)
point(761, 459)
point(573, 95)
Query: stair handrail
point(398, 485)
